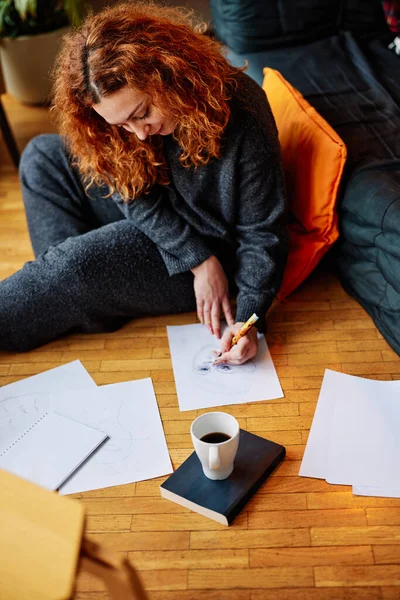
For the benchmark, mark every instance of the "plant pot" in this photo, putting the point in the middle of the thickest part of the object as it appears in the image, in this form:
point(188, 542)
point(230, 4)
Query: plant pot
point(27, 62)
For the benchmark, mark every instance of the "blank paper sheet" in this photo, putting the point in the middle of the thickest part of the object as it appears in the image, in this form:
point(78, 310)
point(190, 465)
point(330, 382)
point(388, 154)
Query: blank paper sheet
point(364, 446)
point(354, 437)
point(316, 453)
point(359, 490)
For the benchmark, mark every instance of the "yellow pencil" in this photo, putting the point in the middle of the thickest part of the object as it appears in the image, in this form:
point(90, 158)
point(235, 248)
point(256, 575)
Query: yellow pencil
point(244, 329)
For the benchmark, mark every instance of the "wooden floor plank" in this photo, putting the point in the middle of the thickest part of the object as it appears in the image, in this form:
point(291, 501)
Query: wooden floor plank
point(308, 518)
point(390, 593)
point(311, 557)
point(271, 577)
point(274, 538)
point(357, 576)
point(320, 594)
point(383, 516)
point(172, 579)
point(106, 523)
point(350, 536)
point(190, 559)
point(182, 522)
point(202, 595)
point(386, 555)
point(134, 541)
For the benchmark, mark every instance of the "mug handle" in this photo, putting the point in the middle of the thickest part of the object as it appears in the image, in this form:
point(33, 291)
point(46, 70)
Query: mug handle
point(213, 458)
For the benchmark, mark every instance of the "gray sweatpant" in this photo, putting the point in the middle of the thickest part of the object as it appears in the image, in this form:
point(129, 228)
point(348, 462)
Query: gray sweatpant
point(93, 270)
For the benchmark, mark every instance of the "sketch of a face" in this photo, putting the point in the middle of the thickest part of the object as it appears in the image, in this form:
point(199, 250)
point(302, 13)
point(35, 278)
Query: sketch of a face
point(234, 379)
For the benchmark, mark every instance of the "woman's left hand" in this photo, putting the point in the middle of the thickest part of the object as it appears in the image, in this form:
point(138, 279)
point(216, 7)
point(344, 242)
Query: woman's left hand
point(244, 350)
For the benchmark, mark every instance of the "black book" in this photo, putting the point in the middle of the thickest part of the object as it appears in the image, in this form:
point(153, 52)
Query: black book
point(222, 501)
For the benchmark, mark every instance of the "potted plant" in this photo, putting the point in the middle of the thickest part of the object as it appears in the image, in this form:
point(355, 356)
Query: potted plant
point(30, 33)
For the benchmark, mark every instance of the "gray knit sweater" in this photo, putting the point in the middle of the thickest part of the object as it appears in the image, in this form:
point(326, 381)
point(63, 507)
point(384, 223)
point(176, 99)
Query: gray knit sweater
point(234, 206)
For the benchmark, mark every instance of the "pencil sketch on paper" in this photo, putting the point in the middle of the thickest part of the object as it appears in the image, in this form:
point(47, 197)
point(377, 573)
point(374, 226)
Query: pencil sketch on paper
point(136, 448)
point(20, 412)
point(202, 384)
point(223, 378)
point(108, 418)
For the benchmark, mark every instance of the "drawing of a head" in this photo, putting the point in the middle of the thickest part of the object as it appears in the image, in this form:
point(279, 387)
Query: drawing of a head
point(234, 379)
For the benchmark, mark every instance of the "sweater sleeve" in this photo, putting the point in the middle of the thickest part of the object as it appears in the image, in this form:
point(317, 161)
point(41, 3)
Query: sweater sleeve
point(180, 245)
point(261, 235)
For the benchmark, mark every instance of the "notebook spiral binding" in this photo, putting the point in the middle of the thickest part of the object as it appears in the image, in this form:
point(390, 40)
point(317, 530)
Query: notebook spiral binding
point(23, 434)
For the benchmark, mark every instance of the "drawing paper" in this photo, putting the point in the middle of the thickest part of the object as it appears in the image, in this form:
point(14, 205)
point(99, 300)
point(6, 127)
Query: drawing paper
point(50, 450)
point(136, 448)
point(364, 446)
point(354, 435)
point(360, 490)
point(23, 402)
point(200, 384)
point(316, 453)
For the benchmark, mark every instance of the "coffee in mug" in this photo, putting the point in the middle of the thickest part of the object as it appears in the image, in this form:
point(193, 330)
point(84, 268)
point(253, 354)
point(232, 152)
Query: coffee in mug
point(215, 438)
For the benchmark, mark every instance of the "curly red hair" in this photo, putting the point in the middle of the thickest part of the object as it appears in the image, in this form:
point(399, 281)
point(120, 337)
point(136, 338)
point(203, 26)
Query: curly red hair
point(156, 50)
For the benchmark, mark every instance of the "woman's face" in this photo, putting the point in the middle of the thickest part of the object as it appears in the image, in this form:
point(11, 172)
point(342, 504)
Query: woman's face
point(135, 112)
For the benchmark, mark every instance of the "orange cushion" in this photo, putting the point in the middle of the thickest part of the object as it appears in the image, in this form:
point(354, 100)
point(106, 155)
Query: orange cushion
point(313, 160)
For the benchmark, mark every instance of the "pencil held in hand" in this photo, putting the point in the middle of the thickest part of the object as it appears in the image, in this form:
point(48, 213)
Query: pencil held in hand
point(244, 329)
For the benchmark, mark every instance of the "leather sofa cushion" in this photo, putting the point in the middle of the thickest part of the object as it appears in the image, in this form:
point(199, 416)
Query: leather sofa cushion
point(335, 76)
point(254, 25)
point(369, 247)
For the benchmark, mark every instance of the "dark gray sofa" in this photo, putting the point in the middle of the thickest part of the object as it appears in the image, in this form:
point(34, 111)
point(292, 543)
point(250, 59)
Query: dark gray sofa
point(335, 53)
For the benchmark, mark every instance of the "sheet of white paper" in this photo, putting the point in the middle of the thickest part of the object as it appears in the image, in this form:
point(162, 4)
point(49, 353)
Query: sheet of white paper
point(316, 453)
point(23, 402)
point(50, 450)
point(364, 445)
point(360, 490)
point(128, 413)
point(200, 384)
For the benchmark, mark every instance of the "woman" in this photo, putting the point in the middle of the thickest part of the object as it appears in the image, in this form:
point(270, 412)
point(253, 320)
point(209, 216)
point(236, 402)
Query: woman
point(164, 193)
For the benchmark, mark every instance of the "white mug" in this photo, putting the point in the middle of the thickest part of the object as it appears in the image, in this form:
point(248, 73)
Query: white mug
point(216, 458)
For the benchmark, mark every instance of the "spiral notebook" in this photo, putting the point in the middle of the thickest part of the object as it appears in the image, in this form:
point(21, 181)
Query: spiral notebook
point(50, 450)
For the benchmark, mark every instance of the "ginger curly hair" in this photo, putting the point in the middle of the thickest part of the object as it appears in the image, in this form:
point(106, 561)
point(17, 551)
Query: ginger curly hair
point(156, 50)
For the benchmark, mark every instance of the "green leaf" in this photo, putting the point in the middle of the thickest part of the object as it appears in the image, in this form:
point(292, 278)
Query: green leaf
point(26, 7)
point(30, 17)
point(3, 10)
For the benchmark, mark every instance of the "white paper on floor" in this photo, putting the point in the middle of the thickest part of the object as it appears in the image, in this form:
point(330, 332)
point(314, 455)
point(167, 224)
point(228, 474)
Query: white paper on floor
point(316, 453)
point(360, 490)
point(136, 449)
point(364, 446)
point(200, 384)
point(50, 450)
point(354, 435)
point(23, 402)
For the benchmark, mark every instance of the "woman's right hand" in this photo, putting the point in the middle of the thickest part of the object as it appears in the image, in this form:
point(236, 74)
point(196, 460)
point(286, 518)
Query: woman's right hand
point(211, 290)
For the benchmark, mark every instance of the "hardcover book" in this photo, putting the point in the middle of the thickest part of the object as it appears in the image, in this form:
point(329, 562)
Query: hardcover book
point(222, 501)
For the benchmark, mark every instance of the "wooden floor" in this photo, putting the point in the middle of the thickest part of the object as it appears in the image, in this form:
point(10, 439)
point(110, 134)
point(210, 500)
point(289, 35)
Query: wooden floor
point(298, 539)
